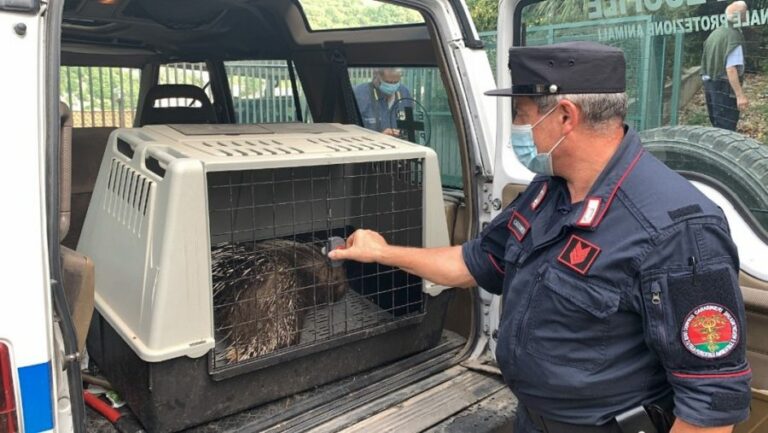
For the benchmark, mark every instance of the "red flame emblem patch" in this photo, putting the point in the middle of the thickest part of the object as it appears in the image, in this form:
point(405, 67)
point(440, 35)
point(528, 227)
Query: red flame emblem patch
point(579, 254)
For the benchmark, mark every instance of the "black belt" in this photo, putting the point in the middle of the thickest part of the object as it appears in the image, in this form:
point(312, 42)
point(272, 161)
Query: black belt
point(655, 418)
point(548, 425)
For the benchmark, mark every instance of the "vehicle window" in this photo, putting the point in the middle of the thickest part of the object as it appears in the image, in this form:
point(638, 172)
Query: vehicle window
point(100, 96)
point(688, 64)
point(262, 92)
point(349, 14)
point(412, 104)
point(195, 74)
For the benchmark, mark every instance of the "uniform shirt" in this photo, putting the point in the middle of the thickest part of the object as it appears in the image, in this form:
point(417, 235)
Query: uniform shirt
point(618, 300)
point(375, 109)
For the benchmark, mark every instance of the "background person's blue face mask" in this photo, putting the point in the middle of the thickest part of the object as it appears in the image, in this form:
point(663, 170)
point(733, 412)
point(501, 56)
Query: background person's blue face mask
point(389, 88)
point(522, 143)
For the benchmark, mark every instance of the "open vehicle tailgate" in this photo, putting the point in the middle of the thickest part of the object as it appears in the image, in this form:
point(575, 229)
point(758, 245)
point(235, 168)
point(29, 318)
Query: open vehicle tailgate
point(425, 392)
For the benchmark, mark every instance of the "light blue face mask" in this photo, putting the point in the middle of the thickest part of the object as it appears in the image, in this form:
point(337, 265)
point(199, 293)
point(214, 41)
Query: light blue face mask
point(525, 149)
point(389, 88)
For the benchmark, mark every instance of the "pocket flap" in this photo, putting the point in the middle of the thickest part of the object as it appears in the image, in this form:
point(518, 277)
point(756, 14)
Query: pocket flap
point(596, 297)
point(512, 250)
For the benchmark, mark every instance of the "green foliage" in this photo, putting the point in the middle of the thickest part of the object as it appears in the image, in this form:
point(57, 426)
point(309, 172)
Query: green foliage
point(100, 89)
point(339, 14)
point(555, 12)
point(484, 13)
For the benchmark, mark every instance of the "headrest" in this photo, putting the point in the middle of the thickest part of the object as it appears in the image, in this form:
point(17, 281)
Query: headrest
point(152, 115)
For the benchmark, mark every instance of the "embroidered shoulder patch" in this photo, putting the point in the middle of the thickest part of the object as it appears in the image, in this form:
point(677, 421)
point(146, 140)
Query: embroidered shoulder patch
point(590, 212)
point(539, 197)
point(579, 254)
point(518, 225)
point(710, 331)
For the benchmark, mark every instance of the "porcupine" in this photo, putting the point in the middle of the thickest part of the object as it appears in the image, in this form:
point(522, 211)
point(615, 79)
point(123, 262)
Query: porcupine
point(262, 294)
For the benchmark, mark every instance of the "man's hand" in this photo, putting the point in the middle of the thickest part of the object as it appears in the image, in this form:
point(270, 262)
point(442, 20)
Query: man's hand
point(443, 265)
point(364, 246)
point(742, 102)
point(391, 131)
point(681, 426)
point(733, 78)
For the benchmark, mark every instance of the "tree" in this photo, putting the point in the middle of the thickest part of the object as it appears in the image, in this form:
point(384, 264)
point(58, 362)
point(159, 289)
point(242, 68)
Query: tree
point(484, 13)
point(336, 14)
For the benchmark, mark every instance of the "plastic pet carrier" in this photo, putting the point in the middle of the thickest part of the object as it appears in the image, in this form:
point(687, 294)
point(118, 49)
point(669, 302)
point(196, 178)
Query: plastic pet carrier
point(214, 292)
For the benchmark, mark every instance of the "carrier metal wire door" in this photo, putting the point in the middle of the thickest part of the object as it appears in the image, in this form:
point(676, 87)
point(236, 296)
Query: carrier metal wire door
point(275, 293)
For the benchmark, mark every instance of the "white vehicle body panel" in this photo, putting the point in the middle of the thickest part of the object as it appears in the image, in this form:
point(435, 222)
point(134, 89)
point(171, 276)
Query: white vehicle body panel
point(25, 312)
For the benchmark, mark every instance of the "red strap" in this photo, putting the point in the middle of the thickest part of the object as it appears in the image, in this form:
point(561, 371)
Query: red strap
point(712, 375)
point(496, 265)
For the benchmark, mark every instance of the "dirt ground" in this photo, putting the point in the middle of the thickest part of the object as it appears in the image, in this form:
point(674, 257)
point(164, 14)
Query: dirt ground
point(753, 121)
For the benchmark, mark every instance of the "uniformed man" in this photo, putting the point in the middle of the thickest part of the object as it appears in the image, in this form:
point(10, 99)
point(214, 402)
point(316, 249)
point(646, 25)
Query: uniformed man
point(378, 98)
point(619, 279)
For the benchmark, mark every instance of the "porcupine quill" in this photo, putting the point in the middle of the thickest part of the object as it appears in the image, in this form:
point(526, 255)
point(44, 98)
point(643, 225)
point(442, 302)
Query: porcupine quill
point(262, 294)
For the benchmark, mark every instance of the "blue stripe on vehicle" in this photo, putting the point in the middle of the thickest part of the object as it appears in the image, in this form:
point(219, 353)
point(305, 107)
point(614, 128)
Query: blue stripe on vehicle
point(36, 404)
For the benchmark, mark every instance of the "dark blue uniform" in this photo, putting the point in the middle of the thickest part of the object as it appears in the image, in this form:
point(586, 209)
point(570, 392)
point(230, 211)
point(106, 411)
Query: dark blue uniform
point(619, 300)
point(375, 110)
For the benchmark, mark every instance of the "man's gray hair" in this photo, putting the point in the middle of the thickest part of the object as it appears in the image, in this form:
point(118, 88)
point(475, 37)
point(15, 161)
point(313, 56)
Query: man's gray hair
point(382, 70)
point(598, 108)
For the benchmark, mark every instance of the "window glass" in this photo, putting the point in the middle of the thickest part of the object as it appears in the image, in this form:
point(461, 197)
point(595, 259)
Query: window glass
point(412, 104)
point(348, 14)
point(100, 96)
point(195, 74)
point(688, 64)
point(262, 92)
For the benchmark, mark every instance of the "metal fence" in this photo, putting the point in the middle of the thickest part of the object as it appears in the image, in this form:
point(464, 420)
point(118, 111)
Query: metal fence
point(262, 93)
point(100, 96)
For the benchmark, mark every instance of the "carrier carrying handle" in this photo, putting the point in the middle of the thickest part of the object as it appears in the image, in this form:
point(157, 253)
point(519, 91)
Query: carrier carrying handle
point(157, 160)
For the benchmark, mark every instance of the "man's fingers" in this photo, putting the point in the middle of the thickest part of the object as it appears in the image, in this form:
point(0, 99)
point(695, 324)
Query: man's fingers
point(351, 239)
point(338, 254)
point(342, 253)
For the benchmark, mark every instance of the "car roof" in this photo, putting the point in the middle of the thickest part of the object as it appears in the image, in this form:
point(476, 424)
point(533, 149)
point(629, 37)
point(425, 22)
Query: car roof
point(137, 32)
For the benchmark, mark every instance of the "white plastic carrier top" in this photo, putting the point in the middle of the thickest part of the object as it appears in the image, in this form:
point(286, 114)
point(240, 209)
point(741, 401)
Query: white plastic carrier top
point(147, 226)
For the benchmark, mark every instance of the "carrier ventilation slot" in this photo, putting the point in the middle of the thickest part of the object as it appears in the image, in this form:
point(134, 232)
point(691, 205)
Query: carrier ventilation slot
point(253, 147)
point(238, 148)
point(352, 144)
point(128, 195)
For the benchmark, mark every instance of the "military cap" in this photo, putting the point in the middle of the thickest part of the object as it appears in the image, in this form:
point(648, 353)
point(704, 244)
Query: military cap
point(565, 68)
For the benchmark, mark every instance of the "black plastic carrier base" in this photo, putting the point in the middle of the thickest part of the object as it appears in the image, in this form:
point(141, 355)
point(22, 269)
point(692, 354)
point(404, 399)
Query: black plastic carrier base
point(172, 395)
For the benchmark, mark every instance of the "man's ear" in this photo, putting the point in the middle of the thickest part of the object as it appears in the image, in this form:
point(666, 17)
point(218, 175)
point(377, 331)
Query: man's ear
point(570, 116)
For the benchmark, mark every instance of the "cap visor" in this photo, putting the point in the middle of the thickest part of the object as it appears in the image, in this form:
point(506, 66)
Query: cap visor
point(510, 92)
point(500, 92)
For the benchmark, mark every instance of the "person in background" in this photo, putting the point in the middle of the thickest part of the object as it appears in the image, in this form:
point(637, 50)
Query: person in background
point(722, 69)
point(376, 98)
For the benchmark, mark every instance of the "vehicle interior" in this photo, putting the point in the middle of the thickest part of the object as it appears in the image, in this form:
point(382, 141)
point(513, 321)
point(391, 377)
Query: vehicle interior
point(196, 53)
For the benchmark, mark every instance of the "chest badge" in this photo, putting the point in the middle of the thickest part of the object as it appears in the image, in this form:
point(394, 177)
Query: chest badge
point(518, 225)
point(578, 254)
point(710, 331)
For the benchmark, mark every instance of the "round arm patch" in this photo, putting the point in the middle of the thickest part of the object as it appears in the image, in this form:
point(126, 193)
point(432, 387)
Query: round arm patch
point(710, 331)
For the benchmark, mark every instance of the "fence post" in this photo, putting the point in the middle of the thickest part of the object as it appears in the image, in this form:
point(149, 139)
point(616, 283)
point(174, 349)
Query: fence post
point(674, 103)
